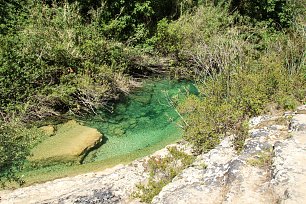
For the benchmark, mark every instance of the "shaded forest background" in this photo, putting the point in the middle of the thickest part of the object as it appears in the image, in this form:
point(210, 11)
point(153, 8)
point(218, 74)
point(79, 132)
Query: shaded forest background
point(73, 57)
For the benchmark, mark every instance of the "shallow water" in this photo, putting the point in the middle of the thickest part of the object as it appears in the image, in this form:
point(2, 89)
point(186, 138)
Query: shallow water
point(146, 119)
point(139, 125)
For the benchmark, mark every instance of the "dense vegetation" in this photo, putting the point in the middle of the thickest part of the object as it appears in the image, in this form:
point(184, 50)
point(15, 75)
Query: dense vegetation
point(72, 57)
point(242, 69)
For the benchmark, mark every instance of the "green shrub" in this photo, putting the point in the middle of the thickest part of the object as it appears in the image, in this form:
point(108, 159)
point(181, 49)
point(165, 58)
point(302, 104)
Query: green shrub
point(262, 160)
point(279, 13)
point(238, 69)
point(287, 102)
point(162, 171)
point(209, 120)
point(190, 28)
point(15, 144)
point(58, 62)
point(136, 20)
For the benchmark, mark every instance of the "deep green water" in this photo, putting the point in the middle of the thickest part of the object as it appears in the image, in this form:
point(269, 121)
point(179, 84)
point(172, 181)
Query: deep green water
point(145, 120)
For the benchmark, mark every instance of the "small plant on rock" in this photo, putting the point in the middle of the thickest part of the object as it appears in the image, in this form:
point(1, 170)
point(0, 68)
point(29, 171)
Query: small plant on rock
point(162, 171)
point(262, 160)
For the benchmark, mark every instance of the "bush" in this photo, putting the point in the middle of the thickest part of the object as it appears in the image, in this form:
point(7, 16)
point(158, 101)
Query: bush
point(279, 13)
point(239, 69)
point(262, 160)
point(134, 20)
point(162, 171)
point(15, 144)
point(55, 60)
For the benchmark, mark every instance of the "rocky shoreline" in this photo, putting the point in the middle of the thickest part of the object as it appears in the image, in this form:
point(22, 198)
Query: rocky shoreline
point(270, 169)
point(231, 178)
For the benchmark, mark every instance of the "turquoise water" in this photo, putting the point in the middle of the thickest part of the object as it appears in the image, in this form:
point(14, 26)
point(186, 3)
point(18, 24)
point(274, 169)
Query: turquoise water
point(142, 123)
point(145, 120)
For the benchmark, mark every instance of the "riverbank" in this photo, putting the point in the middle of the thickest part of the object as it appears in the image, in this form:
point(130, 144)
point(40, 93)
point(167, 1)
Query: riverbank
point(122, 178)
point(270, 168)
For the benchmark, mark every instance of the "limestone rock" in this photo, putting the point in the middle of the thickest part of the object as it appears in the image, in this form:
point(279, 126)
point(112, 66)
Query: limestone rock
point(69, 143)
point(301, 110)
point(231, 178)
point(113, 185)
point(289, 164)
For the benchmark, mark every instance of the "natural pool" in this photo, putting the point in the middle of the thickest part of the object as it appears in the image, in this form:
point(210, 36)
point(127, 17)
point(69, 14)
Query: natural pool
point(142, 123)
point(147, 119)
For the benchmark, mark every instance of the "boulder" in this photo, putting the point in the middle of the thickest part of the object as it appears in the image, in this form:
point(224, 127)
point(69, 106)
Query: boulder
point(70, 143)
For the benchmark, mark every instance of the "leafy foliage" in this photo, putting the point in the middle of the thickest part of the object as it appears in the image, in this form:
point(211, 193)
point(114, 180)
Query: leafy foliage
point(277, 13)
point(162, 171)
point(15, 141)
point(13, 14)
point(133, 20)
point(55, 60)
point(239, 69)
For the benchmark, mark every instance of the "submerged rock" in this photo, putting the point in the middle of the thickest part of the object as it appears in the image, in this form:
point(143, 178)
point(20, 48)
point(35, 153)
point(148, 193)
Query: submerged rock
point(69, 144)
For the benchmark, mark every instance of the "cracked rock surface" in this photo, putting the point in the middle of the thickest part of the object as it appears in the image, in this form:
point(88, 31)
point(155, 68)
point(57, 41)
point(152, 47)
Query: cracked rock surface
point(235, 178)
point(289, 163)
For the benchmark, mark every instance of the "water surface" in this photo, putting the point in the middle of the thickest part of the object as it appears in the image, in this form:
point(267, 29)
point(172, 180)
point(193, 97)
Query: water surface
point(147, 119)
point(139, 125)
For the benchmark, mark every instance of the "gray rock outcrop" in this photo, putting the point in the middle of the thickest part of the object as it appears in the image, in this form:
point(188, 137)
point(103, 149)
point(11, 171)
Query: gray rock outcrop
point(246, 177)
point(289, 163)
